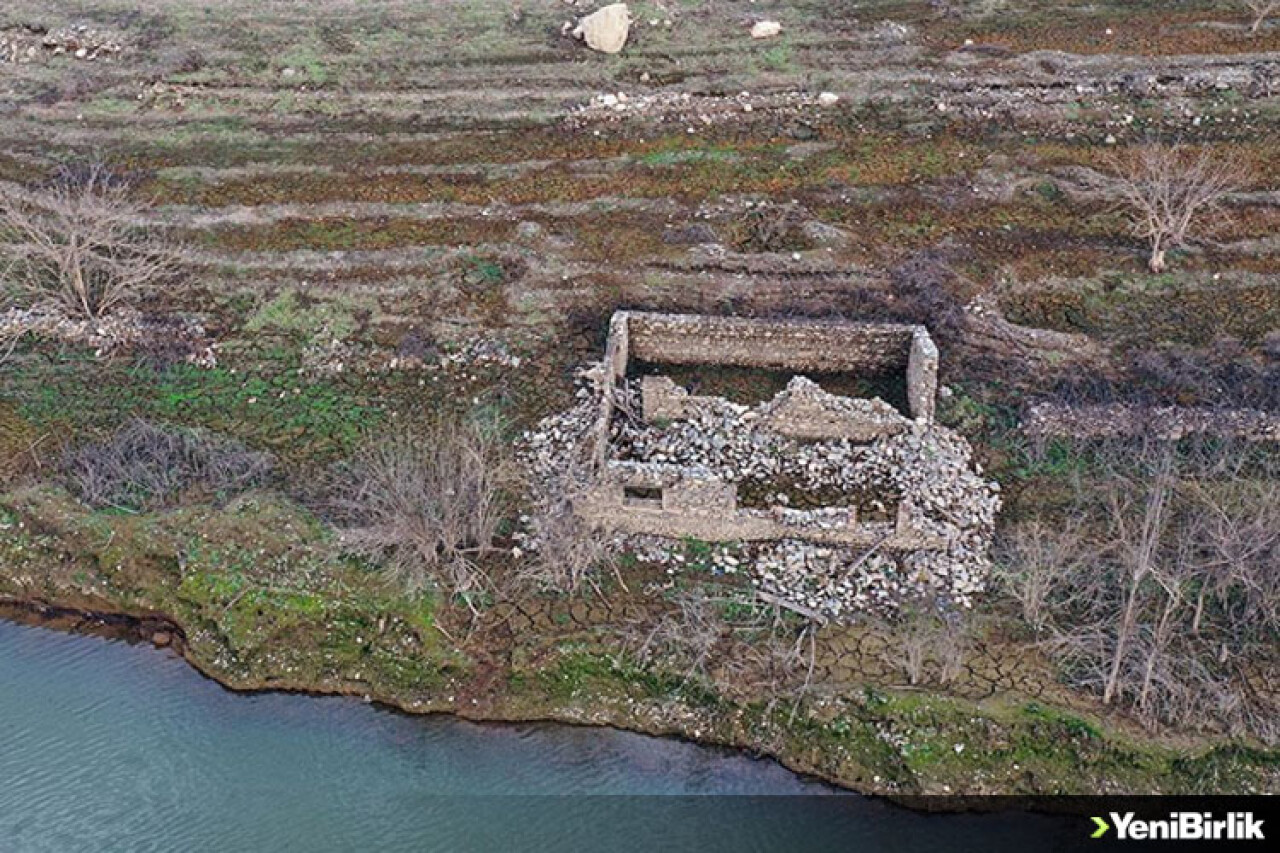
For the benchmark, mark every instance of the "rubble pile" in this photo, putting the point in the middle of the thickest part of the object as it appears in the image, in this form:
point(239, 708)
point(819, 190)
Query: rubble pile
point(928, 468)
point(328, 353)
point(27, 44)
point(121, 330)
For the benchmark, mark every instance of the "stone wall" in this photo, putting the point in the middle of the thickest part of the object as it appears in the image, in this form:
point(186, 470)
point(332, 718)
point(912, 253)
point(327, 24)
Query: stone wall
point(796, 345)
point(922, 374)
point(700, 505)
point(800, 346)
point(1044, 421)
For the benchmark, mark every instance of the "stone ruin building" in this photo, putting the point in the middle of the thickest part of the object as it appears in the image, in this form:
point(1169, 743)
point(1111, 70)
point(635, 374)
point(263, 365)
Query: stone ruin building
point(835, 501)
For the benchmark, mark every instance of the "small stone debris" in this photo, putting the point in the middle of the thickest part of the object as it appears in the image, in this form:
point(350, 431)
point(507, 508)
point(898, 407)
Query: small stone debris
point(122, 330)
point(28, 44)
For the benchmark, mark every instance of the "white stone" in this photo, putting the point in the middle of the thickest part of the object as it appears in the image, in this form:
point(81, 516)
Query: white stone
point(606, 28)
point(828, 99)
point(765, 29)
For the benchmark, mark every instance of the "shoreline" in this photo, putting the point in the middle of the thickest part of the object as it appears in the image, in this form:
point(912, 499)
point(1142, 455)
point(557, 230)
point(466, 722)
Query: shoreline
point(144, 628)
point(139, 629)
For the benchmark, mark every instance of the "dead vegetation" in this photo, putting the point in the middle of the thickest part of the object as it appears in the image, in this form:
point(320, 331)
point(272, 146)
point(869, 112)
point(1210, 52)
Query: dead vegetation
point(1165, 599)
point(426, 506)
point(929, 645)
point(1260, 10)
point(77, 244)
point(1172, 192)
point(741, 644)
point(147, 466)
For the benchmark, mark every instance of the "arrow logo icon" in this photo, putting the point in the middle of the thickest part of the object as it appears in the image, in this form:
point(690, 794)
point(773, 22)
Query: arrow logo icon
point(1103, 826)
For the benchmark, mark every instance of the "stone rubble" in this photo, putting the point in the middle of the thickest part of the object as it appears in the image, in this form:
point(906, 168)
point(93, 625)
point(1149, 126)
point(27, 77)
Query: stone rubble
point(929, 468)
point(330, 354)
point(117, 331)
point(27, 44)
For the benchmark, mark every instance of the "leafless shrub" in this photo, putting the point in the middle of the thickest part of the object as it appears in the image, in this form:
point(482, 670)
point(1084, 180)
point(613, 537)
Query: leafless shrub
point(78, 244)
point(686, 636)
point(1033, 562)
point(741, 644)
point(773, 228)
point(1175, 605)
point(566, 552)
point(147, 466)
point(425, 506)
point(927, 643)
point(1170, 191)
point(1261, 10)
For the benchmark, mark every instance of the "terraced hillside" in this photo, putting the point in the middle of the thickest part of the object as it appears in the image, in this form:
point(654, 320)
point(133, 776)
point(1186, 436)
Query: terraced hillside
point(393, 209)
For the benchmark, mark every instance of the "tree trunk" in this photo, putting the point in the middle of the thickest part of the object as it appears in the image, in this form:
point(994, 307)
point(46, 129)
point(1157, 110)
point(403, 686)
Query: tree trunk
point(1157, 262)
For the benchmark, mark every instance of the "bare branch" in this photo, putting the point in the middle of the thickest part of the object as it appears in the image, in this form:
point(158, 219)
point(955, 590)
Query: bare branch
point(1171, 191)
point(78, 244)
point(1261, 10)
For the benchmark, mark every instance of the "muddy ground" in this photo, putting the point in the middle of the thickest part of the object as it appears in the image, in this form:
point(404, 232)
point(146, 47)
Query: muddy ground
point(357, 185)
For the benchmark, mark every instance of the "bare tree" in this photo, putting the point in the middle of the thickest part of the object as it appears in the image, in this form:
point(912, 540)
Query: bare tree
point(1170, 191)
point(425, 506)
point(1175, 612)
point(79, 244)
point(1261, 10)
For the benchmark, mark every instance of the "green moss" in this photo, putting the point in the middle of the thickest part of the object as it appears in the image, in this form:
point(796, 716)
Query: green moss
point(287, 312)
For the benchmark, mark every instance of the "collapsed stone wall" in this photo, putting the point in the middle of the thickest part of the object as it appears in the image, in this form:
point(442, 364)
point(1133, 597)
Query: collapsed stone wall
point(645, 458)
point(825, 560)
point(1044, 421)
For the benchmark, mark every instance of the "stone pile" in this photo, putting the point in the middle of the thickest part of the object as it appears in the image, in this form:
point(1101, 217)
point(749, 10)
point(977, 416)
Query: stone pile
point(80, 42)
point(121, 330)
point(695, 112)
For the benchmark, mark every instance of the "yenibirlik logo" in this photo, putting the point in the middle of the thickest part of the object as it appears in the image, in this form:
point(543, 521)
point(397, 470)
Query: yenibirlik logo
point(1182, 826)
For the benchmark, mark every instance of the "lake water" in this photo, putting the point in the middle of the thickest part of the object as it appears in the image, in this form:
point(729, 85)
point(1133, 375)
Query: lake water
point(110, 746)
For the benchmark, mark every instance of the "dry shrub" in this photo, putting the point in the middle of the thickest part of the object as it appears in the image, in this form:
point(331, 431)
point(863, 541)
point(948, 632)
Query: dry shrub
point(1034, 562)
point(426, 506)
point(566, 552)
point(738, 643)
point(1166, 599)
point(570, 553)
point(928, 643)
point(686, 636)
point(78, 244)
point(1171, 191)
point(1222, 374)
point(148, 466)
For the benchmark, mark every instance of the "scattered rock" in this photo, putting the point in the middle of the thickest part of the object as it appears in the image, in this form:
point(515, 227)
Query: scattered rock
point(765, 29)
point(605, 29)
point(823, 235)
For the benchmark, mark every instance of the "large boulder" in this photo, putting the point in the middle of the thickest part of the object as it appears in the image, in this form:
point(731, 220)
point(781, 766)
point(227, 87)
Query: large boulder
point(606, 28)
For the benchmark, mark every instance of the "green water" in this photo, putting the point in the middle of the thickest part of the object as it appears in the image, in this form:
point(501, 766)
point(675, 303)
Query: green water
point(108, 746)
